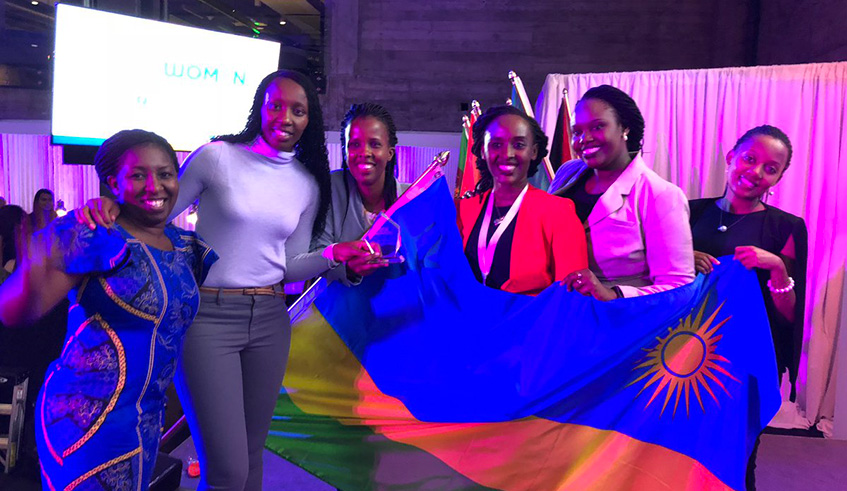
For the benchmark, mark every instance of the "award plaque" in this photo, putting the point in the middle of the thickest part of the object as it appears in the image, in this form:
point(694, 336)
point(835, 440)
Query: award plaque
point(385, 238)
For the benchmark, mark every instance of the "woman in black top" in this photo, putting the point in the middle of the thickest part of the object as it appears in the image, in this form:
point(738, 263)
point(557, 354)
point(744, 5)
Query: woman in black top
point(761, 237)
point(768, 239)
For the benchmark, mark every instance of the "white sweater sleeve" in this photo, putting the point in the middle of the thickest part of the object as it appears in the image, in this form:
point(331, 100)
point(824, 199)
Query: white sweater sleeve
point(196, 173)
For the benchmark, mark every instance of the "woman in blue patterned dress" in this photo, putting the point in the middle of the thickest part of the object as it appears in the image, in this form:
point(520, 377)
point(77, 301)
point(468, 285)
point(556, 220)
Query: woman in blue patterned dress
point(133, 292)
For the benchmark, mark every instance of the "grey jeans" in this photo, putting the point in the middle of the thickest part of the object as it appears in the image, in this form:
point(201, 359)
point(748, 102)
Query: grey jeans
point(228, 379)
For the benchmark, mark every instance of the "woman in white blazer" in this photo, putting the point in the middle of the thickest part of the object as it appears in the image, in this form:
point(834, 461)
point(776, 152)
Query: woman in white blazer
point(636, 223)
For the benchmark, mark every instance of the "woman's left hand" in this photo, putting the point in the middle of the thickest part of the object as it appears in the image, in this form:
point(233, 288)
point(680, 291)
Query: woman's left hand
point(754, 257)
point(586, 283)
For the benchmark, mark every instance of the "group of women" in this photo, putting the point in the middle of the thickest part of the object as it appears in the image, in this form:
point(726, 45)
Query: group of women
point(612, 228)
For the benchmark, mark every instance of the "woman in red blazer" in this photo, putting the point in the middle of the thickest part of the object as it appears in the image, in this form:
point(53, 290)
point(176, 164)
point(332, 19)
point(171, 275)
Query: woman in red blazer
point(517, 238)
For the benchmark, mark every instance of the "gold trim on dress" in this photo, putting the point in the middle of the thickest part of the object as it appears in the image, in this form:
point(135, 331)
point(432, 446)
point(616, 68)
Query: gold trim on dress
point(101, 467)
point(152, 357)
point(118, 389)
point(129, 308)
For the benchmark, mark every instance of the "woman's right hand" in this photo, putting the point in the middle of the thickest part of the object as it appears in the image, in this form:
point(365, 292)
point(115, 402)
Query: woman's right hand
point(101, 211)
point(357, 256)
point(345, 251)
point(704, 263)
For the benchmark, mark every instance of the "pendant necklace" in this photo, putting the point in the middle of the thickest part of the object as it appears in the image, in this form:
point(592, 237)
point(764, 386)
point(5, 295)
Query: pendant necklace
point(723, 228)
point(497, 217)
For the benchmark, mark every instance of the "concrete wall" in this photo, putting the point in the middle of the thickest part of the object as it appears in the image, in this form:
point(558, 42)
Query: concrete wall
point(422, 59)
point(802, 31)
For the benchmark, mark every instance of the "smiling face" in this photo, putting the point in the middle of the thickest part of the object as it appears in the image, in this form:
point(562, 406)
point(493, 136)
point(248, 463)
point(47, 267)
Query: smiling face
point(368, 150)
point(145, 185)
point(508, 149)
point(285, 114)
point(755, 166)
point(598, 136)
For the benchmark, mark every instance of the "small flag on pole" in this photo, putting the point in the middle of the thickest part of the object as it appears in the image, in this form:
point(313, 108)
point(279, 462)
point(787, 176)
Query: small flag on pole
point(467, 174)
point(560, 149)
point(544, 176)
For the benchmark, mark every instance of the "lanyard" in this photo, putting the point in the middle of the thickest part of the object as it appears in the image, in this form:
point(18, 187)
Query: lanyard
point(485, 250)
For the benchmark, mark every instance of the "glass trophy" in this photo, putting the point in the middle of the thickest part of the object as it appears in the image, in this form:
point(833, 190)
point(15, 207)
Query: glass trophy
point(385, 237)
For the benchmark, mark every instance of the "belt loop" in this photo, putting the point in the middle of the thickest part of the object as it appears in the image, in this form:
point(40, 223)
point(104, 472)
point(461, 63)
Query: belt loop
point(220, 291)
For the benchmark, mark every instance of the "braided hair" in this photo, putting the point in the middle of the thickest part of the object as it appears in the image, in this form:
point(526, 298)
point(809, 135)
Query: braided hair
point(107, 162)
point(310, 150)
point(771, 131)
point(389, 190)
point(486, 180)
point(625, 108)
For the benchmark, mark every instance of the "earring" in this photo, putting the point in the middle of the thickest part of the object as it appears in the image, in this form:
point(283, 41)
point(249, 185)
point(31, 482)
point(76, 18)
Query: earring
point(625, 137)
point(770, 193)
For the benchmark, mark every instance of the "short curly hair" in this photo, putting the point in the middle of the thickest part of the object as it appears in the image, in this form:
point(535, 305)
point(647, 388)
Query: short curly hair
point(107, 162)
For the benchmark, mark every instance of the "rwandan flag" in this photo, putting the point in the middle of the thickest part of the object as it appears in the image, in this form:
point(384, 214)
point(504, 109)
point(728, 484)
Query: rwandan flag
point(422, 378)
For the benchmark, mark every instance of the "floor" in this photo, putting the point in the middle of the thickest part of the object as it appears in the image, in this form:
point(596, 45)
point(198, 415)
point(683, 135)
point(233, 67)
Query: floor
point(279, 475)
point(786, 463)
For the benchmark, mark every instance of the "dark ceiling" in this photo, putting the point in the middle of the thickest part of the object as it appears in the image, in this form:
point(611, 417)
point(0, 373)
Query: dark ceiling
point(26, 30)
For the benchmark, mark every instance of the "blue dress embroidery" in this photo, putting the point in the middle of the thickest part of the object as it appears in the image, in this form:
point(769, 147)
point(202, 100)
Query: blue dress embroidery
point(100, 412)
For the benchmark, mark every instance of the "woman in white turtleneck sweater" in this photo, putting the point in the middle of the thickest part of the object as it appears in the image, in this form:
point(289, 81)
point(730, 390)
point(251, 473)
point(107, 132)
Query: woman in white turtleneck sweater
point(263, 196)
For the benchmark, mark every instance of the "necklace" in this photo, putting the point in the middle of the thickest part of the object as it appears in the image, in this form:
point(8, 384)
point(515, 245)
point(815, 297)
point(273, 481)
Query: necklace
point(497, 218)
point(723, 228)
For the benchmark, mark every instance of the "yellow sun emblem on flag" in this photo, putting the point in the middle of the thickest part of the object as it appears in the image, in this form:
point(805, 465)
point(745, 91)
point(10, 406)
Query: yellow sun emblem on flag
point(685, 361)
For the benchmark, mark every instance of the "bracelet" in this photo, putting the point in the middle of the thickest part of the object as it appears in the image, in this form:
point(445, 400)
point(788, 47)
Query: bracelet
point(785, 289)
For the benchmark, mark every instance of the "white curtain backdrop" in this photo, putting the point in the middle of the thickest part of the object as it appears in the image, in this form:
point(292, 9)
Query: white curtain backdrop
point(411, 161)
point(694, 117)
point(29, 163)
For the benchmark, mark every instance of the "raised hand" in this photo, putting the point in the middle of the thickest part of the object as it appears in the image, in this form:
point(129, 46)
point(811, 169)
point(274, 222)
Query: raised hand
point(101, 211)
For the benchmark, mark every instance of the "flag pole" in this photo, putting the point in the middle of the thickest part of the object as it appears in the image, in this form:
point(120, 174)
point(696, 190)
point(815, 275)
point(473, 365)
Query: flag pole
point(421, 184)
point(524, 100)
point(463, 157)
point(569, 118)
point(467, 174)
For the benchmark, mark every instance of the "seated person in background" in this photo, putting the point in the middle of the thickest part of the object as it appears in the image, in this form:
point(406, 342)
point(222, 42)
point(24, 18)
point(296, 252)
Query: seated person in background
point(101, 408)
point(639, 241)
point(517, 238)
point(363, 187)
point(761, 237)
